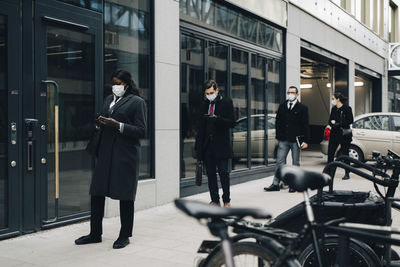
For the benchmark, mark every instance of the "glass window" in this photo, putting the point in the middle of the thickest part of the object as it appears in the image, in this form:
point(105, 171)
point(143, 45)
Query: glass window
point(229, 21)
point(3, 124)
point(217, 64)
point(273, 96)
point(70, 62)
point(394, 94)
point(396, 123)
point(258, 110)
point(96, 5)
point(373, 123)
point(127, 26)
point(192, 79)
point(239, 98)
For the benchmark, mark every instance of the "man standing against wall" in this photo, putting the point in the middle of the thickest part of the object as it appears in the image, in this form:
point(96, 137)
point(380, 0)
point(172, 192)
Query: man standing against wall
point(213, 142)
point(292, 132)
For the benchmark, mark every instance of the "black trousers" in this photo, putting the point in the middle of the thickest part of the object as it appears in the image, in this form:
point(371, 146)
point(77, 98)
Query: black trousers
point(126, 209)
point(211, 164)
point(334, 142)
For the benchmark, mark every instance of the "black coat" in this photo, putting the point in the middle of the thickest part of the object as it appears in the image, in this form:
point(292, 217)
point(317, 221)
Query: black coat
point(343, 117)
point(117, 168)
point(213, 133)
point(292, 123)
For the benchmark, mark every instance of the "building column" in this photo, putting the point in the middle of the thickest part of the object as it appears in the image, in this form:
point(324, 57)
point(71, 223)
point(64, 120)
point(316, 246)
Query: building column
point(351, 89)
point(167, 100)
point(293, 51)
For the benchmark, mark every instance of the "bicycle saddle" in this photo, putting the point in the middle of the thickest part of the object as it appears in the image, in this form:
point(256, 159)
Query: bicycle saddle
point(200, 210)
point(300, 180)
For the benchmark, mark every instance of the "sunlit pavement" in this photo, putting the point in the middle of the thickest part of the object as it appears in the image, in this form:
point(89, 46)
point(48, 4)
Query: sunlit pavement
point(163, 236)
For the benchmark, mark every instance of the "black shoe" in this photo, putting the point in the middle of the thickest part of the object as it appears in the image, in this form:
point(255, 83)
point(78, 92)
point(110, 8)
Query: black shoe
point(291, 190)
point(121, 242)
point(272, 187)
point(88, 239)
point(346, 177)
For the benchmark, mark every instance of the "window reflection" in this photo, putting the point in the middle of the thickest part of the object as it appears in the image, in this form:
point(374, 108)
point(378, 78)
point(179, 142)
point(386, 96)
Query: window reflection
point(239, 98)
point(216, 15)
point(127, 46)
point(273, 96)
point(96, 5)
point(192, 78)
point(217, 64)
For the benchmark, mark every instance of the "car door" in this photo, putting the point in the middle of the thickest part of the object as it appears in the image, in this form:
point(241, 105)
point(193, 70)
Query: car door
point(257, 136)
point(272, 142)
point(396, 133)
point(240, 139)
point(372, 133)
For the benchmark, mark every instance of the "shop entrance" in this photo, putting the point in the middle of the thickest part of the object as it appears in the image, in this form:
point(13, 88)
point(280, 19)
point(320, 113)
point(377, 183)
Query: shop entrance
point(320, 78)
point(68, 67)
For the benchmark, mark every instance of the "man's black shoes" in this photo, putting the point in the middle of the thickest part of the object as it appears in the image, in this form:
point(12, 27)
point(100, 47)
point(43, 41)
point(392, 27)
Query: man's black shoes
point(121, 242)
point(88, 239)
point(272, 187)
point(346, 177)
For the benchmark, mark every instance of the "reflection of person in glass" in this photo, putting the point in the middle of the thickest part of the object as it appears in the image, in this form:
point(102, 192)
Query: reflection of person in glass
point(122, 122)
point(213, 144)
point(292, 132)
point(340, 118)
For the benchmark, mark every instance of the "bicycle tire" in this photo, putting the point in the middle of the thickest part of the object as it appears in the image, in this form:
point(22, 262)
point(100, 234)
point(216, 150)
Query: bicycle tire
point(361, 255)
point(249, 249)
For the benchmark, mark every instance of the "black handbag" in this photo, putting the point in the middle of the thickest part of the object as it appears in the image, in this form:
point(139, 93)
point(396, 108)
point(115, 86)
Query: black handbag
point(94, 142)
point(199, 172)
point(347, 132)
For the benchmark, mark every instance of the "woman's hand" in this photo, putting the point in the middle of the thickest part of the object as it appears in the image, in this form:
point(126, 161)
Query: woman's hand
point(108, 122)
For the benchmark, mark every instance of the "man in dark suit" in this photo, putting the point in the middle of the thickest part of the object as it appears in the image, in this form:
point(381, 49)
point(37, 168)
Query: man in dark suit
point(292, 132)
point(213, 142)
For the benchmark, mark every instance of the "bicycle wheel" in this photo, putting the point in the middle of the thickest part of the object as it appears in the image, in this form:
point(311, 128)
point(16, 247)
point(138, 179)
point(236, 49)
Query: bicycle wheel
point(247, 254)
point(360, 254)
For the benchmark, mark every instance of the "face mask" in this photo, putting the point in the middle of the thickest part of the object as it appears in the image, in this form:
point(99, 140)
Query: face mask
point(118, 90)
point(334, 102)
point(291, 97)
point(211, 97)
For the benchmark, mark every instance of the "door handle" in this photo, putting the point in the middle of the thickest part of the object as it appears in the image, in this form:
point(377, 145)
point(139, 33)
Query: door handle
point(30, 155)
point(66, 23)
point(56, 151)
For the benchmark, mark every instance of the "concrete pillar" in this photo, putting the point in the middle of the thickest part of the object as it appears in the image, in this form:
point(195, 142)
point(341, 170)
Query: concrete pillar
point(351, 89)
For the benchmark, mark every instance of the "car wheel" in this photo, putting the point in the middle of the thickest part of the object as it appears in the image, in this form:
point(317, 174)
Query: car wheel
point(356, 153)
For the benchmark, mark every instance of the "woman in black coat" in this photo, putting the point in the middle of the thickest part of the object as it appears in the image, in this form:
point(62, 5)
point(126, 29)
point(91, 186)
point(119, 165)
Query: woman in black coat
point(340, 119)
point(122, 123)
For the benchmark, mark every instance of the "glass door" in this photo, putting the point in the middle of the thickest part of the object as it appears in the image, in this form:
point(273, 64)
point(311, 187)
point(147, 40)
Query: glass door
point(9, 123)
point(68, 82)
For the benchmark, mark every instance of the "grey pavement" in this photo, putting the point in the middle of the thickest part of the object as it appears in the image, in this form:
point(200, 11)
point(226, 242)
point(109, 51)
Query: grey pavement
point(163, 236)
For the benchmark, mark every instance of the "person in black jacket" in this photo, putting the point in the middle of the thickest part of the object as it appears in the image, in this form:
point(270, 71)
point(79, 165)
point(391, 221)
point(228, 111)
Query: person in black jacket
point(213, 142)
point(122, 123)
point(292, 132)
point(341, 117)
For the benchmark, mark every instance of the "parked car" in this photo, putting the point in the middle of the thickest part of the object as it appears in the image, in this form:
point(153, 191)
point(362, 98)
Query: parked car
point(257, 137)
point(371, 131)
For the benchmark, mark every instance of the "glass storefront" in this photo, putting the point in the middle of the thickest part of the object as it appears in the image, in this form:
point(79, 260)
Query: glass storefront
point(127, 45)
point(3, 124)
point(96, 5)
point(363, 95)
point(274, 100)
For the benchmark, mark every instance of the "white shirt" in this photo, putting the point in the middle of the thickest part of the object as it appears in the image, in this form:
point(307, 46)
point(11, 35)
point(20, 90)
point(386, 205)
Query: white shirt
point(293, 103)
point(115, 100)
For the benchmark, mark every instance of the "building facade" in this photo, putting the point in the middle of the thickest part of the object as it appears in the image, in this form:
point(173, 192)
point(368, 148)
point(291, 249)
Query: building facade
point(57, 57)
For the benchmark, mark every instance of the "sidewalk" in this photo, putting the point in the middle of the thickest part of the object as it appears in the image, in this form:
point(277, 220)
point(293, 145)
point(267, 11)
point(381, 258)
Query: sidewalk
point(163, 236)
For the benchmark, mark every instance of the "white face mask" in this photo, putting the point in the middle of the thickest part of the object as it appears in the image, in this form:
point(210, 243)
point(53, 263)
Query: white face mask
point(118, 90)
point(334, 102)
point(291, 97)
point(211, 97)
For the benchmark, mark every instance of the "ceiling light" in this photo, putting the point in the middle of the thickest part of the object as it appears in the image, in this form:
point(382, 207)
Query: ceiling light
point(305, 86)
point(358, 84)
point(329, 85)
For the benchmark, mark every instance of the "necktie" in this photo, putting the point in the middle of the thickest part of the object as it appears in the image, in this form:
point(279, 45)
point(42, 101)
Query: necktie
point(211, 109)
point(290, 105)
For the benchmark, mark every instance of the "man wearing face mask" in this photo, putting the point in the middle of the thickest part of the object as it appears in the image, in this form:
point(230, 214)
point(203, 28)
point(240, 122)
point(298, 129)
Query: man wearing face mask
point(292, 132)
point(213, 142)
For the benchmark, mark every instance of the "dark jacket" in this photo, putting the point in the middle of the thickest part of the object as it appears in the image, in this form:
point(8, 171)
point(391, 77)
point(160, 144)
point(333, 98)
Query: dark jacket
point(117, 168)
point(343, 117)
point(213, 133)
point(292, 123)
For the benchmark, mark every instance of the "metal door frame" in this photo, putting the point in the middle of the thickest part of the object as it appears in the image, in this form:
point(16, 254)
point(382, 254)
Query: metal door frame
point(55, 13)
point(12, 11)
